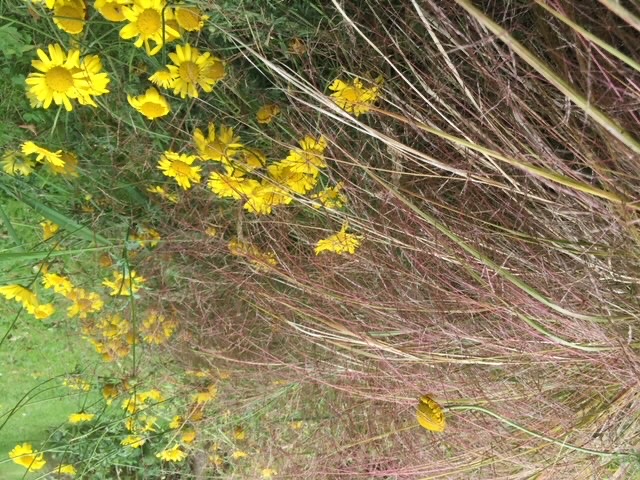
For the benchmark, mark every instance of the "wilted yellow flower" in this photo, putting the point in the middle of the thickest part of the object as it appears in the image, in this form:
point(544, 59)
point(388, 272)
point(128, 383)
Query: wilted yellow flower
point(431, 415)
point(252, 253)
point(156, 328)
point(14, 163)
point(84, 303)
point(25, 456)
point(353, 97)
point(146, 23)
point(211, 232)
point(180, 167)
point(341, 242)
point(124, 285)
point(69, 16)
point(297, 46)
point(246, 160)
point(112, 10)
point(70, 167)
point(190, 18)
point(309, 158)
point(152, 105)
point(267, 113)
point(330, 197)
point(133, 441)
point(239, 434)
point(110, 392)
point(206, 396)
point(218, 146)
point(235, 186)
point(162, 193)
point(173, 454)
point(146, 237)
point(42, 154)
point(81, 417)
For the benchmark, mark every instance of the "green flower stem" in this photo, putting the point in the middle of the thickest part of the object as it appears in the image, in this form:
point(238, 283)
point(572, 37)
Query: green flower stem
point(555, 441)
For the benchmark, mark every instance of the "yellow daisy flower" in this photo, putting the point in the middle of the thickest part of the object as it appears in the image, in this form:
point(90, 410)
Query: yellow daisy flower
point(162, 78)
point(173, 454)
point(188, 436)
point(25, 456)
point(124, 285)
point(310, 158)
point(267, 113)
point(112, 10)
point(180, 167)
point(28, 300)
point(69, 16)
point(189, 18)
point(238, 454)
point(97, 80)
point(42, 154)
point(206, 396)
point(70, 167)
point(330, 197)
point(268, 195)
point(49, 229)
point(152, 105)
point(258, 258)
point(146, 23)
point(354, 97)
point(65, 469)
point(58, 283)
point(81, 417)
point(62, 78)
point(430, 415)
point(176, 422)
point(42, 312)
point(162, 193)
point(341, 242)
point(218, 146)
point(247, 160)
point(234, 186)
point(192, 69)
point(133, 441)
point(14, 163)
point(284, 174)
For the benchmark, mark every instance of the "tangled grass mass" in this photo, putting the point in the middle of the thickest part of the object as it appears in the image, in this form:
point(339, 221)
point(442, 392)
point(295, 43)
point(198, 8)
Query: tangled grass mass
point(319, 239)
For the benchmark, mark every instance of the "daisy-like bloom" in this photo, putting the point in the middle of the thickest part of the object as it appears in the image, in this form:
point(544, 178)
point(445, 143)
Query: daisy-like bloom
point(285, 175)
point(268, 473)
point(176, 422)
point(65, 469)
point(42, 154)
point(234, 186)
point(267, 113)
point(25, 456)
point(20, 294)
point(173, 454)
point(310, 158)
point(330, 197)
point(114, 326)
point(354, 97)
point(152, 105)
point(238, 454)
point(162, 78)
point(260, 259)
point(49, 229)
point(69, 16)
point(263, 199)
point(84, 303)
point(341, 242)
point(190, 19)
point(124, 285)
point(97, 80)
point(60, 284)
point(70, 167)
point(112, 10)
point(154, 394)
point(218, 146)
point(192, 70)
point(180, 167)
point(162, 193)
point(61, 78)
point(81, 417)
point(247, 160)
point(42, 311)
point(206, 396)
point(156, 329)
point(146, 23)
point(430, 415)
point(188, 436)
point(14, 163)
point(133, 441)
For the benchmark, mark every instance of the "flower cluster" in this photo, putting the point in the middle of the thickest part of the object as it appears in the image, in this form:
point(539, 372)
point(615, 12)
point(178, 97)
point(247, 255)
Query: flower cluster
point(354, 97)
point(83, 303)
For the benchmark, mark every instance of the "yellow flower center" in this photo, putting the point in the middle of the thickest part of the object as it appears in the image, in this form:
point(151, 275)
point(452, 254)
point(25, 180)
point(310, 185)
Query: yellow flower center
point(189, 72)
point(350, 94)
point(59, 79)
point(181, 168)
point(215, 71)
point(152, 109)
point(149, 22)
